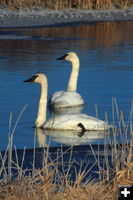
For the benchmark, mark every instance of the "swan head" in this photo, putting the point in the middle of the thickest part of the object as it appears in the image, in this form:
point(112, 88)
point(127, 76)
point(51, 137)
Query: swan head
point(70, 56)
point(37, 78)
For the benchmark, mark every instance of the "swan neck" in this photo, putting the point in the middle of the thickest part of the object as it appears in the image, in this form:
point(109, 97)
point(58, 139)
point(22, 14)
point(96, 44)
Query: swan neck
point(41, 115)
point(72, 84)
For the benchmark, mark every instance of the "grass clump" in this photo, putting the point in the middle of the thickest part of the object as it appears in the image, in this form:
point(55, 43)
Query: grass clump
point(66, 4)
point(53, 181)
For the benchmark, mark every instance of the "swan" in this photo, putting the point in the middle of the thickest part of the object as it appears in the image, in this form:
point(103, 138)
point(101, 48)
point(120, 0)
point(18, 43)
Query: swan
point(64, 121)
point(69, 98)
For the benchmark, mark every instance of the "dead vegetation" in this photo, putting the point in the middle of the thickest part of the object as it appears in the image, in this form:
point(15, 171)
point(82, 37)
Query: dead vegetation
point(66, 4)
point(40, 187)
point(49, 183)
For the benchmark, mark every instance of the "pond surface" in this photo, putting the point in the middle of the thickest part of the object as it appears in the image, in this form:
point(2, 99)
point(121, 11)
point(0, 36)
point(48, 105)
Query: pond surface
point(106, 54)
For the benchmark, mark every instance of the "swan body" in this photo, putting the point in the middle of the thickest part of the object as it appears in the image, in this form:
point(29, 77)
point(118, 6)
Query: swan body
point(69, 98)
point(66, 99)
point(70, 122)
point(64, 121)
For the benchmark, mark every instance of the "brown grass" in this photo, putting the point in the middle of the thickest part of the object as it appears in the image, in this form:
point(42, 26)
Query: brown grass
point(40, 187)
point(49, 183)
point(65, 4)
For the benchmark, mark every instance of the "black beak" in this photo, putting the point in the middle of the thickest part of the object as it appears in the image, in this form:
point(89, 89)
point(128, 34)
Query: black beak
point(31, 79)
point(62, 57)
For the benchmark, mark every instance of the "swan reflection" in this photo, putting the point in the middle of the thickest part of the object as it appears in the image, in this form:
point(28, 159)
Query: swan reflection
point(72, 110)
point(74, 137)
point(68, 137)
point(41, 137)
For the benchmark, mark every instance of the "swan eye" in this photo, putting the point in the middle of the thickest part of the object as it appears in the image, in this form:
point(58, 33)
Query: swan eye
point(32, 79)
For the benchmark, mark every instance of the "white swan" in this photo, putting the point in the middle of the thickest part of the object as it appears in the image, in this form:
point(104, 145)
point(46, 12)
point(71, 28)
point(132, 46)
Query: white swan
point(69, 98)
point(64, 121)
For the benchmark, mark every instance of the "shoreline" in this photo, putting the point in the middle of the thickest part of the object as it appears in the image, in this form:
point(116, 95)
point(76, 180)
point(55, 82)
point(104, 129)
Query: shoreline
point(36, 18)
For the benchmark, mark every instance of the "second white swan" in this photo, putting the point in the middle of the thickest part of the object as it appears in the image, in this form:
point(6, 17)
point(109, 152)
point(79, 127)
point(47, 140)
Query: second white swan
point(64, 121)
point(69, 98)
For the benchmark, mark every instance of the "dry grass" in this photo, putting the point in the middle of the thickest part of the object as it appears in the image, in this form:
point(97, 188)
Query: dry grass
point(65, 4)
point(49, 183)
point(41, 187)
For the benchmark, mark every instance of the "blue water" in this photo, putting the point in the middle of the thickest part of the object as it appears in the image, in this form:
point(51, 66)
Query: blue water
point(106, 54)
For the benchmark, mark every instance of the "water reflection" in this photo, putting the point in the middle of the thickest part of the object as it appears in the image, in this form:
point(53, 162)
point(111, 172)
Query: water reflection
point(41, 137)
point(68, 137)
point(36, 41)
point(72, 110)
